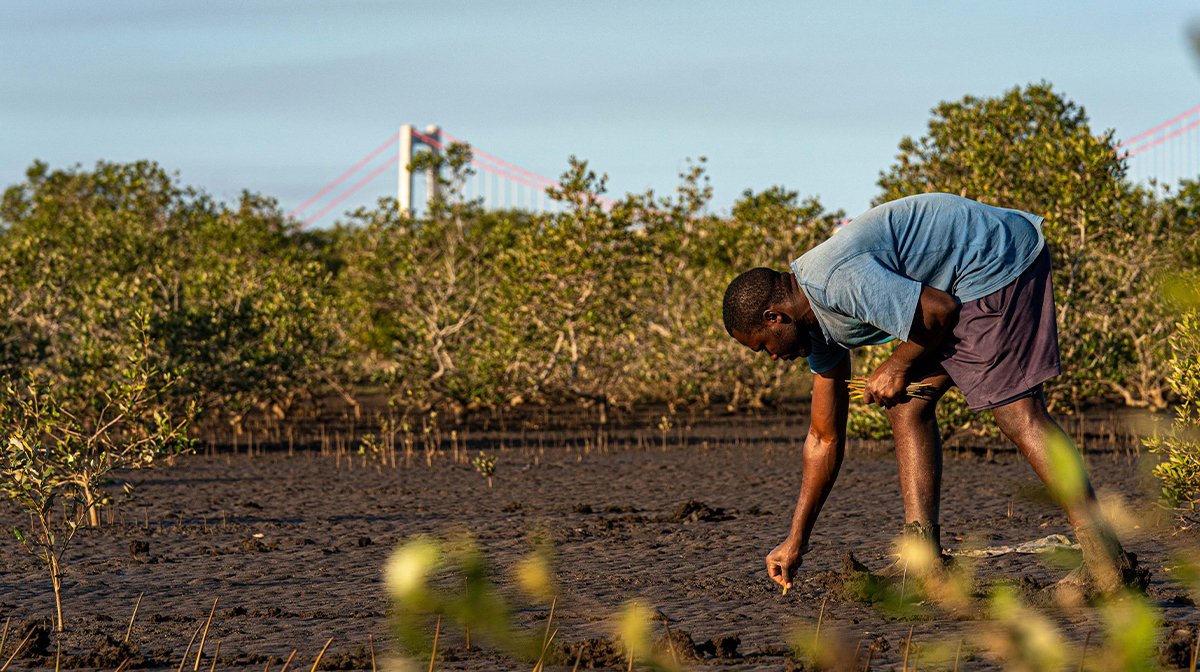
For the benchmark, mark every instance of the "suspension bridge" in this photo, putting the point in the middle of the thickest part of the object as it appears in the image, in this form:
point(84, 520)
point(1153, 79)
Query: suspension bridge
point(1161, 155)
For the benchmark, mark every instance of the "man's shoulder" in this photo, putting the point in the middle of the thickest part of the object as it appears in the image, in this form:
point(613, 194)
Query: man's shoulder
point(817, 267)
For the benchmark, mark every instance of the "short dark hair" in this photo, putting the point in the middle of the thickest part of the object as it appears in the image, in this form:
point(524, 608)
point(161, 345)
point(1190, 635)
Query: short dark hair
point(749, 296)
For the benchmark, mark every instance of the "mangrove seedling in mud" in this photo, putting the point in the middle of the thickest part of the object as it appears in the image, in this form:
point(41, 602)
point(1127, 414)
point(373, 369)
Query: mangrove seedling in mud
point(57, 455)
point(664, 428)
point(485, 465)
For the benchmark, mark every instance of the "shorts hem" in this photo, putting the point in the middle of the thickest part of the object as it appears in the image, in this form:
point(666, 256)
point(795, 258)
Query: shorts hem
point(1026, 384)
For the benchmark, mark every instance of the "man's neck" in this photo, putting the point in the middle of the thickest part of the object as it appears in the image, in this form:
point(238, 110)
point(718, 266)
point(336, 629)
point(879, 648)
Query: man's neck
point(800, 306)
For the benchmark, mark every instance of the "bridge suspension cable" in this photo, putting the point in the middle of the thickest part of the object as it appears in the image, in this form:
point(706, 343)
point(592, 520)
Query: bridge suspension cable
point(1167, 152)
point(498, 184)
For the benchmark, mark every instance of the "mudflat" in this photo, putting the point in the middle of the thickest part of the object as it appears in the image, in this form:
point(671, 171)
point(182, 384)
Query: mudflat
point(292, 549)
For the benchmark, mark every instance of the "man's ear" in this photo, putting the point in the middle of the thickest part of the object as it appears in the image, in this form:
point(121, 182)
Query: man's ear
point(772, 316)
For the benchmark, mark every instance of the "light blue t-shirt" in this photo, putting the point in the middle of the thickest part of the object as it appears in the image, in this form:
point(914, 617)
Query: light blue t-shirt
point(865, 280)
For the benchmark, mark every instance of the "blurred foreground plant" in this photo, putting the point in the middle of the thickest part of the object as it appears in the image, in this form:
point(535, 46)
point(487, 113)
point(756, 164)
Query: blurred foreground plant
point(58, 451)
point(1180, 445)
point(415, 569)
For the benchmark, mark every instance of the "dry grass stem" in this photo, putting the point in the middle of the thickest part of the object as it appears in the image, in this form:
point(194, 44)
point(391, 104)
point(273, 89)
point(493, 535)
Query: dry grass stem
point(4, 635)
point(670, 641)
point(957, 654)
point(1195, 645)
point(907, 647)
point(371, 645)
point(188, 651)
point(321, 655)
point(820, 618)
point(437, 630)
point(204, 637)
point(137, 604)
point(549, 620)
point(288, 663)
point(120, 667)
point(216, 653)
point(16, 651)
point(540, 665)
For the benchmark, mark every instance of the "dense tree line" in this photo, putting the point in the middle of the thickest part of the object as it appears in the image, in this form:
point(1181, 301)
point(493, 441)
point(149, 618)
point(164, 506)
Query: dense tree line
point(465, 308)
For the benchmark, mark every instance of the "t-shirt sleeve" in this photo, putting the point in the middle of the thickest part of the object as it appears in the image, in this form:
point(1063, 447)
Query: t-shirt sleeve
point(824, 355)
point(865, 289)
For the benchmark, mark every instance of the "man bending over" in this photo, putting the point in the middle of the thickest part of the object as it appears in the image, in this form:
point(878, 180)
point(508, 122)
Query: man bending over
point(965, 288)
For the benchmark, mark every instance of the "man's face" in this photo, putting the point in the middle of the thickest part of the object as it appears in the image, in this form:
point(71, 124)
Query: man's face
point(781, 339)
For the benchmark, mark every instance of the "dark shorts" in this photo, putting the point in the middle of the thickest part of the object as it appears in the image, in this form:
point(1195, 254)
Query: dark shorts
point(1005, 344)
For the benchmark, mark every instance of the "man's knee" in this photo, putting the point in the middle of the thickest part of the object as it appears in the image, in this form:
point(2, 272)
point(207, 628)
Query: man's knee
point(1022, 416)
point(911, 412)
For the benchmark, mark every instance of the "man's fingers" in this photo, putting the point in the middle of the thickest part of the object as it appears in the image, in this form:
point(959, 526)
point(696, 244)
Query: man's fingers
point(778, 573)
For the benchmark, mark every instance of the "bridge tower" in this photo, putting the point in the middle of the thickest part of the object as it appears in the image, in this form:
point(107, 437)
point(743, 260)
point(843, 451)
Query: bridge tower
point(431, 138)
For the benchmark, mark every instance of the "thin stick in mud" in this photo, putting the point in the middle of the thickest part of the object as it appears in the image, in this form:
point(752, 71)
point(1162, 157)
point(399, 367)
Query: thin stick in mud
point(287, 663)
point(4, 636)
point(1195, 646)
point(547, 637)
point(321, 655)
point(907, 646)
point(204, 637)
point(137, 604)
point(820, 617)
point(549, 620)
point(17, 650)
point(371, 644)
point(437, 630)
point(188, 651)
point(670, 641)
point(216, 655)
point(1083, 654)
point(541, 662)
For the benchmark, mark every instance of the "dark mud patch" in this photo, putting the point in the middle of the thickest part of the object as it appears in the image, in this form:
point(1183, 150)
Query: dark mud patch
point(851, 582)
point(32, 638)
point(109, 652)
point(591, 654)
point(358, 659)
point(693, 511)
point(724, 647)
point(1177, 646)
point(679, 644)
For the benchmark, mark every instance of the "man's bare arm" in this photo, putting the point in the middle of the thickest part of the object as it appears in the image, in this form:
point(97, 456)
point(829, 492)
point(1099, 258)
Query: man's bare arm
point(823, 451)
point(934, 320)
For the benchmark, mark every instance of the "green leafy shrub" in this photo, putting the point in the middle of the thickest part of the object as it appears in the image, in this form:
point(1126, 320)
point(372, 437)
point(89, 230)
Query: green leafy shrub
point(60, 448)
point(1180, 445)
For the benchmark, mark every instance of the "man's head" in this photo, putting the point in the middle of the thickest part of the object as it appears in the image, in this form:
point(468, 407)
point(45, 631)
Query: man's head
point(760, 310)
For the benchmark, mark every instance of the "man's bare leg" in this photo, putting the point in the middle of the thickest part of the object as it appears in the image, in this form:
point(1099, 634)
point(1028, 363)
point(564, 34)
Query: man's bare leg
point(1028, 424)
point(919, 461)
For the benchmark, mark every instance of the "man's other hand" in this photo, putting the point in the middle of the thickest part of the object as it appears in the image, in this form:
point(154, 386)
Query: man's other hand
point(887, 386)
point(783, 562)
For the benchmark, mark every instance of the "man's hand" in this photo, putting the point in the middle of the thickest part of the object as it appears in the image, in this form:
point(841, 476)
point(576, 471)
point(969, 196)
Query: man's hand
point(887, 386)
point(783, 562)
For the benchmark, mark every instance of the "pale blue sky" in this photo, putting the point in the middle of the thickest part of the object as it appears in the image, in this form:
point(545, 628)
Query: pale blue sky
point(280, 97)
